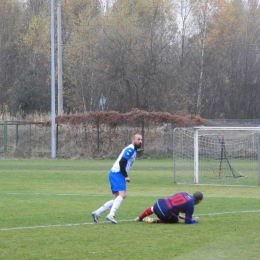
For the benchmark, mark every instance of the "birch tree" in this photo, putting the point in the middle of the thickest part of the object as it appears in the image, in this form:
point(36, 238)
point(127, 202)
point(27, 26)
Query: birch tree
point(201, 13)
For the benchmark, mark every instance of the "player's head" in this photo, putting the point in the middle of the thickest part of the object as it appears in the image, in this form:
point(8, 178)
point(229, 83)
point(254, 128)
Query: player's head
point(198, 197)
point(137, 141)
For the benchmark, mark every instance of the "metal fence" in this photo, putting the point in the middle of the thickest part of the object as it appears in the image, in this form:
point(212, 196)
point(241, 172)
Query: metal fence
point(33, 139)
point(29, 139)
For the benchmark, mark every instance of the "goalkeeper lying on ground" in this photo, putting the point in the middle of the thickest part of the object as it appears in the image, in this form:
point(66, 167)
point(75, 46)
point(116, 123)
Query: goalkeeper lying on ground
point(168, 209)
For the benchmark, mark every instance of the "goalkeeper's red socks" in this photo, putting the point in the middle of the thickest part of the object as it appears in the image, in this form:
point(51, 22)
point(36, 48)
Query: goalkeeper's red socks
point(146, 213)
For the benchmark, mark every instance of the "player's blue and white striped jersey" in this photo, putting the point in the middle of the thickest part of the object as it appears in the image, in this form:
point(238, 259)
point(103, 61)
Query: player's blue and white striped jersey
point(129, 153)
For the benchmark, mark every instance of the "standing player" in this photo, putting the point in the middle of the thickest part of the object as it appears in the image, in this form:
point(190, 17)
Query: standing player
point(168, 209)
point(118, 176)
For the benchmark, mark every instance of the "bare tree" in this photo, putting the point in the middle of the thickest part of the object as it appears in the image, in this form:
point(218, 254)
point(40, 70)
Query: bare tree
point(10, 27)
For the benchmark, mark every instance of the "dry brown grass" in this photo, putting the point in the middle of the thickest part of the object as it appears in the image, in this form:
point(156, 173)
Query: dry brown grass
point(95, 135)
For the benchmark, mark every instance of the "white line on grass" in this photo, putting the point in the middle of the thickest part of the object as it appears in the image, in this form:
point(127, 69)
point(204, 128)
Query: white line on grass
point(105, 195)
point(61, 225)
point(62, 194)
point(232, 212)
point(129, 220)
point(52, 194)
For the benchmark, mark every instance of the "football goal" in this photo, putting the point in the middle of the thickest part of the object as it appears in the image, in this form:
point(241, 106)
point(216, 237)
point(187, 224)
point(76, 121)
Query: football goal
point(217, 155)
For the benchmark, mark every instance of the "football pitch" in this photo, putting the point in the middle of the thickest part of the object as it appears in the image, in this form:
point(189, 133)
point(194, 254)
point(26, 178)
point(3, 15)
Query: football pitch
point(46, 205)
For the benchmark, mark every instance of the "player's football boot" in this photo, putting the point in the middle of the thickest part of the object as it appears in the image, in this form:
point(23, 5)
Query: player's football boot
point(95, 217)
point(111, 218)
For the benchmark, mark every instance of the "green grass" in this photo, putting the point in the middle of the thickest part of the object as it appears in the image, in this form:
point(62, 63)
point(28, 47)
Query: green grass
point(46, 205)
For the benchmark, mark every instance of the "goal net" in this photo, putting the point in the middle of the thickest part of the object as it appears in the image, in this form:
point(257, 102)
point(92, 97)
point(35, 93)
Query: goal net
point(217, 155)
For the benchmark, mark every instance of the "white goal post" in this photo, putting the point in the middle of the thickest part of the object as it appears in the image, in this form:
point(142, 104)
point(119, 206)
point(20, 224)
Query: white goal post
point(217, 155)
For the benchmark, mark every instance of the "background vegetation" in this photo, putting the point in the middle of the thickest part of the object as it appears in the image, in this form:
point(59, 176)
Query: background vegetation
point(198, 56)
point(97, 134)
point(46, 206)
